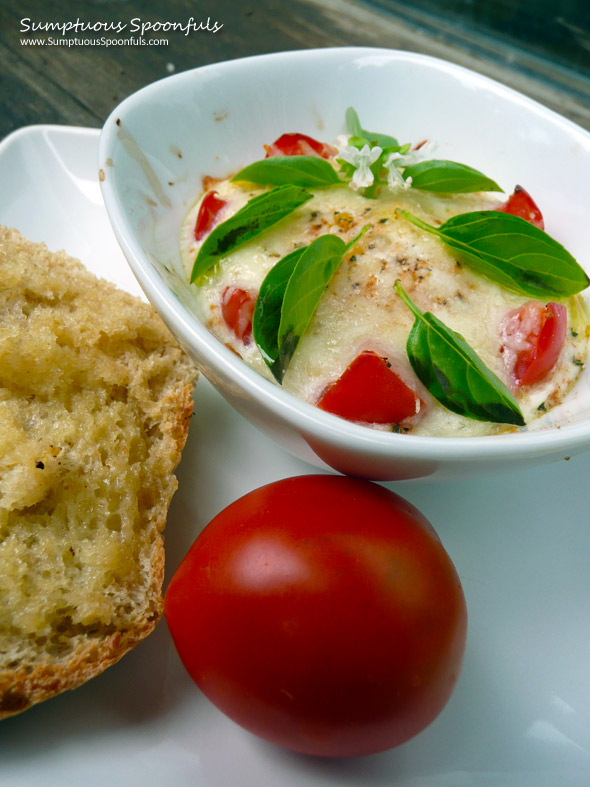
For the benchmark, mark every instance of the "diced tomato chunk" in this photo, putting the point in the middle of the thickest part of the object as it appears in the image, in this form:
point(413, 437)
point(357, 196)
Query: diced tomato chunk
point(237, 309)
point(520, 203)
point(299, 145)
point(532, 340)
point(209, 211)
point(371, 392)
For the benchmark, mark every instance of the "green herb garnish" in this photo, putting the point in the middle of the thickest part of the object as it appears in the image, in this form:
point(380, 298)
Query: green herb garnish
point(267, 312)
point(289, 296)
point(255, 217)
point(453, 372)
point(353, 125)
point(398, 165)
point(511, 252)
point(308, 171)
point(446, 177)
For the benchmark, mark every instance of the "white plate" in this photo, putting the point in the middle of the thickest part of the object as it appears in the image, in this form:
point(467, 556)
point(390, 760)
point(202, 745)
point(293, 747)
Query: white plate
point(521, 712)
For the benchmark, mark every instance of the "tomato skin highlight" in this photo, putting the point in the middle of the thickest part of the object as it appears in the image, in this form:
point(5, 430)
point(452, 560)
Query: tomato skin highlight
point(299, 145)
point(520, 203)
point(209, 211)
point(371, 392)
point(237, 309)
point(321, 613)
point(533, 337)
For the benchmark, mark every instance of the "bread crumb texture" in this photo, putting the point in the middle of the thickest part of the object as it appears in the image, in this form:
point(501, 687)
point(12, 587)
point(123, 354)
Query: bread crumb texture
point(95, 400)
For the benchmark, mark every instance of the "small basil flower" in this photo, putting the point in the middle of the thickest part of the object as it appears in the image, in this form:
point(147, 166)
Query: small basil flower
point(399, 160)
point(393, 164)
point(361, 160)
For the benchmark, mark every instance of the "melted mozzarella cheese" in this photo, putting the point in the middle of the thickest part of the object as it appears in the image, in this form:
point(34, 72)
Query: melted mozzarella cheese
point(360, 310)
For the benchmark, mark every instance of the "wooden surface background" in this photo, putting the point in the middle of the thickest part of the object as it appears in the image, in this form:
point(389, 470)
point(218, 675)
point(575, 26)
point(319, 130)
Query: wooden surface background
point(80, 85)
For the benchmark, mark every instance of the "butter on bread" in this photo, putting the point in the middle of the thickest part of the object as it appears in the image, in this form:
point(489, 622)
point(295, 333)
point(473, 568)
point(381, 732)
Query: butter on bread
point(95, 401)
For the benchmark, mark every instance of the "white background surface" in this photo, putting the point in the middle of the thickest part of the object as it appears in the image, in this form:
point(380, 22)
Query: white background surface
point(521, 712)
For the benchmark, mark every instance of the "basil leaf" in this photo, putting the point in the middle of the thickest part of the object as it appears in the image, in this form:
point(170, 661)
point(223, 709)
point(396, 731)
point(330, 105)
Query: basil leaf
point(308, 171)
point(511, 252)
point(383, 140)
point(257, 215)
point(453, 372)
point(358, 142)
point(353, 125)
point(448, 177)
point(267, 312)
point(307, 284)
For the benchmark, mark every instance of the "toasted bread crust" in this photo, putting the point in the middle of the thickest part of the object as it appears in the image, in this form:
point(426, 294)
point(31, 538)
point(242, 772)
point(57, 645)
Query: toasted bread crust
point(138, 399)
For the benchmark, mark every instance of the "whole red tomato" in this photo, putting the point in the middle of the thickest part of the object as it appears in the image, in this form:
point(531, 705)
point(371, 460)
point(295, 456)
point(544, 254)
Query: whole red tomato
point(323, 614)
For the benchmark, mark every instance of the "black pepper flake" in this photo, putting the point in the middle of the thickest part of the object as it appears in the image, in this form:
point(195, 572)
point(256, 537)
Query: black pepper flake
point(542, 407)
point(353, 258)
point(578, 362)
point(382, 221)
point(40, 465)
point(574, 333)
point(315, 214)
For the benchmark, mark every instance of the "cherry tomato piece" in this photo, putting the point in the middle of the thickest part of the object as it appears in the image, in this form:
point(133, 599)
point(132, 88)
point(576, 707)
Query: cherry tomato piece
point(371, 392)
point(321, 613)
point(299, 145)
point(237, 309)
point(532, 340)
point(520, 203)
point(209, 211)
